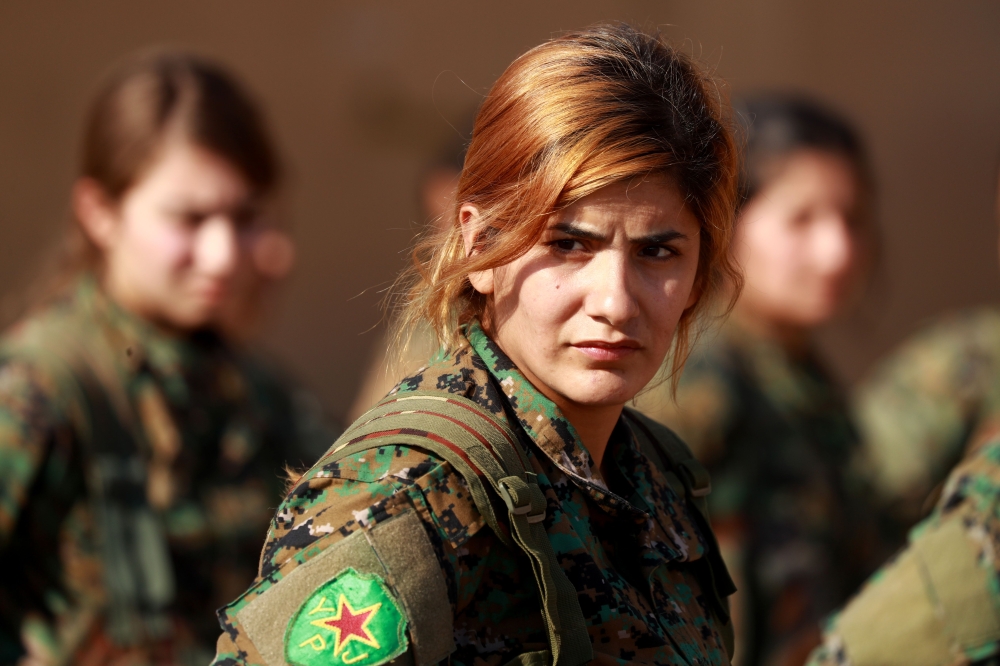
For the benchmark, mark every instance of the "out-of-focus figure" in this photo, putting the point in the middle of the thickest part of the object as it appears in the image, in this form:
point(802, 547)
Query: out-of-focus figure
point(141, 450)
point(390, 363)
point(756, 403)
point(938, 602)
point(926, 404)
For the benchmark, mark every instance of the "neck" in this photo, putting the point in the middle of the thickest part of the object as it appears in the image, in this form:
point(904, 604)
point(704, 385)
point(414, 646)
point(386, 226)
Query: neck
point(594, 425)
point(793, 338)
point(123, 297)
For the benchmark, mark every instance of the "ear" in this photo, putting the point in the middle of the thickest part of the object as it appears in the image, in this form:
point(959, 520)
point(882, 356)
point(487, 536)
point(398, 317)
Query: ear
point(471, 224)
point(96, 214)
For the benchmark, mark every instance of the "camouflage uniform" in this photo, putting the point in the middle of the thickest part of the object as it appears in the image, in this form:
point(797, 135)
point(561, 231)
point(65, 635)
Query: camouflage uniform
point(926, 403)
point(137, 473)
point(938, 601)
point(774, 433)
point(636, 563)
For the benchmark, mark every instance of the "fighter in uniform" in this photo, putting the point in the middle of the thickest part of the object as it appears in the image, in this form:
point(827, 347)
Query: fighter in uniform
point(501, 505)
point(141, 450)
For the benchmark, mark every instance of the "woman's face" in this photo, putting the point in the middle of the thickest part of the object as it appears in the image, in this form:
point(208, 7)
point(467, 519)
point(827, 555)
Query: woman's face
point(177, 241)
point(799, 241)
point(589, 313)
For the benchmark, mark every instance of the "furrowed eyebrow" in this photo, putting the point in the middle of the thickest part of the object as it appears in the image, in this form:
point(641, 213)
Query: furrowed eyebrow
point(654, 239)
point(576, 232)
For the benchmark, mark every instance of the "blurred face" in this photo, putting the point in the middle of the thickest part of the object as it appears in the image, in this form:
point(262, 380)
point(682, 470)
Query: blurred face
point(179, 238)
point(800, 242)
point(589, 313)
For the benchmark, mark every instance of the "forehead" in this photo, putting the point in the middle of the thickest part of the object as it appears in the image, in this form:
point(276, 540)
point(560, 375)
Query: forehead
point(185, 171)
point(809, 169)
point(653, 201)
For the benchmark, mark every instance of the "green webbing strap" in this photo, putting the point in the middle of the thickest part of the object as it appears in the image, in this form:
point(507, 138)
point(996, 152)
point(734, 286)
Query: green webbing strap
point(482, 446)
point(680, 466)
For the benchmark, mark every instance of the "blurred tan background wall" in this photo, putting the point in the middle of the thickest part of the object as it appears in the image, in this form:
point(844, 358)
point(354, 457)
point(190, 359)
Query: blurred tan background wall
point(361, 94)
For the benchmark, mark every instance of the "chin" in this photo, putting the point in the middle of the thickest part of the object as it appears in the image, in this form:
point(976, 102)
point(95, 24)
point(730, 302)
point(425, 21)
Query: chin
point(818, 316)
point(193, 319)
point(606, 389)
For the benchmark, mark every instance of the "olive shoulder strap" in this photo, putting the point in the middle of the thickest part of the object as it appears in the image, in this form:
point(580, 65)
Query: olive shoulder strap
point(485, 450)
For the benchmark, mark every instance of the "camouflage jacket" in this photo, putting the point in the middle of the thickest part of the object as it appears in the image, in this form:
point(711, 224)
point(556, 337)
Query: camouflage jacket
point(774, 432)
point(938, 601)
point(137, 473)
point(635, 562)
point(925, 404)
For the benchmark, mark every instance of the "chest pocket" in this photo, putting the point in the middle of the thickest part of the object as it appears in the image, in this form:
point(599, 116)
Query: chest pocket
point(690, 481)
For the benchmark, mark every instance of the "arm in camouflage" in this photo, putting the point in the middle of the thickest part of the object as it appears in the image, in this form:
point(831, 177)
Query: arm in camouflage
point(925, 403)
point(29, 423)
point(361, 492)
point(938, 601)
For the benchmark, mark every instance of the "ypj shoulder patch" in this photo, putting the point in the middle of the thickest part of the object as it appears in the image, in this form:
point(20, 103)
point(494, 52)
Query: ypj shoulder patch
point(353, 619)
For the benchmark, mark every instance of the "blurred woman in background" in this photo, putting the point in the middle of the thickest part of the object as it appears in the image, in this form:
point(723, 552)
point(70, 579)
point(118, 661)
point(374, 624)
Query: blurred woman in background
point(140, 449)
point(756, 403)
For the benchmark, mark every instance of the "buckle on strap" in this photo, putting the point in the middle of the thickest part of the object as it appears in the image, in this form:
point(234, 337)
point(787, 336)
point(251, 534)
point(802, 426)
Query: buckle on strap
point(522, 498)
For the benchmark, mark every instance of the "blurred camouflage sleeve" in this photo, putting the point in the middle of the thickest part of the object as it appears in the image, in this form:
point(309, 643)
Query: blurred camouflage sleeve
point(27, 430)
point(919, 409)
point(335, 500)
point(938, 601)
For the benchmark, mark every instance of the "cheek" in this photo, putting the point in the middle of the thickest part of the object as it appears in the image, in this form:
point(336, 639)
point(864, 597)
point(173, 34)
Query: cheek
point(772, 259)
point(158, 244)
point(540, 299)
point(666, 299)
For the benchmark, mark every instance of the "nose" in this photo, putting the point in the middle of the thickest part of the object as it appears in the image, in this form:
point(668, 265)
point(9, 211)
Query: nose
point(216, 247)
point(610, 297)
point(835, 244)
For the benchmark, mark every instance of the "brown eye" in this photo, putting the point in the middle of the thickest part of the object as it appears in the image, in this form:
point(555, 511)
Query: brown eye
point(568, 244)
point(656, 251)
point(191, 219)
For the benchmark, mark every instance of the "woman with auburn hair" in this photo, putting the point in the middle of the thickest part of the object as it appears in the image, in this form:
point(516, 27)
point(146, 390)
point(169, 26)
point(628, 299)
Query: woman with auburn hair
point(140, 448)
point(502, 505)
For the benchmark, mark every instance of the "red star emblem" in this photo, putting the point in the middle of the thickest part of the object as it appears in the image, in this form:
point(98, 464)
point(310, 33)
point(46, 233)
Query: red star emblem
point(349, 624)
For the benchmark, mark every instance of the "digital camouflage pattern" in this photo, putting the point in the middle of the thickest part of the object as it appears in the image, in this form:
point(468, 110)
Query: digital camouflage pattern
point(137, 473)
point(792, 523)
point(926, 403)
point(634, 561)
point(962, 622)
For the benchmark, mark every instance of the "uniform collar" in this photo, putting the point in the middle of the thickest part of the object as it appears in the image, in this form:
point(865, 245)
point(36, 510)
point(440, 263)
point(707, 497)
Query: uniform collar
point(141, 343)
point(540, 417)
point(552, 432)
